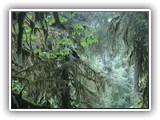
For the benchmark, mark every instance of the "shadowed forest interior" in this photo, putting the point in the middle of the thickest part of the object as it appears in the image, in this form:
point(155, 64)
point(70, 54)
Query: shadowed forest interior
point(79, 59)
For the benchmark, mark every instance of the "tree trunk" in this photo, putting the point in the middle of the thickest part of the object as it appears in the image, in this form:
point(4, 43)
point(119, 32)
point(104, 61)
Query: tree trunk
point(65, 93)
point(136, 81)
point(21, 17)
point(58, 22)
point(56, 17)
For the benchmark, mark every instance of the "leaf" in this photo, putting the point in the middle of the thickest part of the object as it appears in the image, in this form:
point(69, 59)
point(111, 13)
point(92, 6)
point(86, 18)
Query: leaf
point(28, 30)
point(37, 50)
point(138, 100)
point(69, 41)
point(61, 42)
point(29, 15)
point(48, 55)
point(83, 43)
point(66, 42)
point(50, 20)
point(89, 39)
point(78, 28)
point(33, 37)
point(16, 86)
point(63, 52)
point(62, 19)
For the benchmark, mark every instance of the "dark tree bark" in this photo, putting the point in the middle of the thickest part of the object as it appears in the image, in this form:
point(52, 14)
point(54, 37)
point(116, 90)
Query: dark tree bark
point(21, 17)
point(57, 21)
point(65, 93)
point(56, 17)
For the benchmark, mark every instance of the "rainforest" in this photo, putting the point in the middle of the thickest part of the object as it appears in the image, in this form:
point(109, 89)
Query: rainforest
point(79, 59)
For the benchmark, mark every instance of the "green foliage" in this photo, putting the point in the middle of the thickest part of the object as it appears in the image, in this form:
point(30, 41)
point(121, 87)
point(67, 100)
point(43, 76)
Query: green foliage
point(33, 37)
point(70, 14)
point(37, 50)
point(89, 39)
point(119, 92)
point(27, 28)
point(30, 15)
point(16, 28)
point(57, 53)
point(50, 20)
point(16, 86)
point(118, 75)
point(139, 102)
point(62, 19)
point(65, 42)
point(42, 36)
point(78, 28)
point(27, 35)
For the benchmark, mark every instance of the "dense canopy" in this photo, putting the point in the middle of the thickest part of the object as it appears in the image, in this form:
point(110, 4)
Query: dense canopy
point(79, 59)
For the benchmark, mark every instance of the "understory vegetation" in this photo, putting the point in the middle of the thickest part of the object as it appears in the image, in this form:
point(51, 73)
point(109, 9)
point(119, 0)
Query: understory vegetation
point(79, 60)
